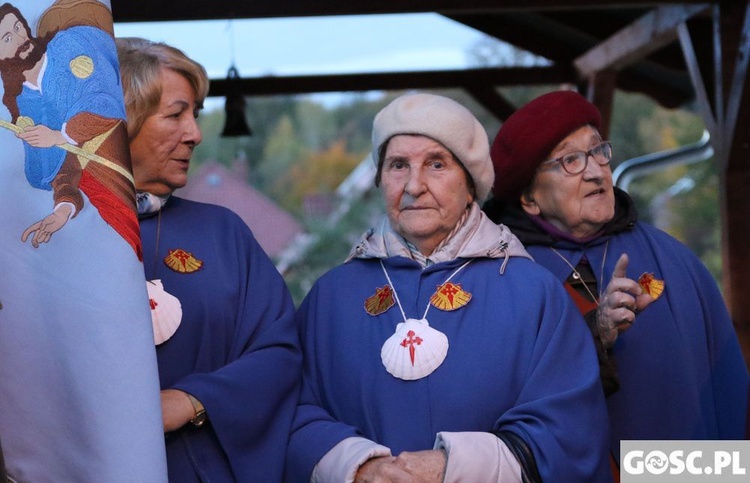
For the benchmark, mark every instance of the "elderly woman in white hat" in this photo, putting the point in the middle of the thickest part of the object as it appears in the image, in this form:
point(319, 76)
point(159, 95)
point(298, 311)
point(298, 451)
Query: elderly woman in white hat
point(440, 351)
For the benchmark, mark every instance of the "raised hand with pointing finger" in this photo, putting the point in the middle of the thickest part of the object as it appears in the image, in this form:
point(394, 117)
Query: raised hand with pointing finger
point(618, 305)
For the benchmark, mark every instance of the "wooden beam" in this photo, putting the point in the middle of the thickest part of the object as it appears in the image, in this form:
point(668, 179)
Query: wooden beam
point(705, 106)
point(635, 42)
point(154, 10)
point(491, 100)
point(737, 108)
point(531, 31)
point(601, 93)
point(732, 21)
point(509, 76)
point(735, 205)
point(558, 41)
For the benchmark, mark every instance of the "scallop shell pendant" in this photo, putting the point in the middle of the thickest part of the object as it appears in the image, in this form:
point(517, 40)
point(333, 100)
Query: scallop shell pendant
point(166, 311)
point(414, 351)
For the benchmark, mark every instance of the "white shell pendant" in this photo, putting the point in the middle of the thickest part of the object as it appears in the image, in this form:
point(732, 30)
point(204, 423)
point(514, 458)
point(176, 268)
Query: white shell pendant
point(414, 351)
point(166, 311)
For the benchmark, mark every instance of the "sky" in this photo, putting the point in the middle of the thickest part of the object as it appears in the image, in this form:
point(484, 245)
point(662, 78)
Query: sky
point(316, 45)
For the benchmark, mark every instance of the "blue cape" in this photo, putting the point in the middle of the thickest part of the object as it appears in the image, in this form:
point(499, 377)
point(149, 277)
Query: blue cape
point(520, 359)
point(236, 350)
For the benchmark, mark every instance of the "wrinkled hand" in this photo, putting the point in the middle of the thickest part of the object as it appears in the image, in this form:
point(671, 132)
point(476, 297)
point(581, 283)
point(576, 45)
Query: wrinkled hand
point(619, 304)
point(427, 466)
point(41, 136)
point(382, 470)
point(44, 229)
point(176, 409)
point(408, 467)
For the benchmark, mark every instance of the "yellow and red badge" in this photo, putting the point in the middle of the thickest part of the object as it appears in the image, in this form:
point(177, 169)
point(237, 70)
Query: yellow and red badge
point(381, 301)
point(651, 285)
point(182, 262)
point(450, 296)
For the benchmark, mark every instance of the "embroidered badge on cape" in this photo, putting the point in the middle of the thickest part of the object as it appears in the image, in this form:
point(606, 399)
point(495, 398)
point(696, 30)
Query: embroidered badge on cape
point(182, 262)
point(381, 301)
point(651, 285)
point(450, 296)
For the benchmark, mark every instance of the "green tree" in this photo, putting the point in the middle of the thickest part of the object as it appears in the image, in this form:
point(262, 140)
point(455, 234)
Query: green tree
point(300, 148)
point(318, 173)
point(331, 243)
point(282, 151)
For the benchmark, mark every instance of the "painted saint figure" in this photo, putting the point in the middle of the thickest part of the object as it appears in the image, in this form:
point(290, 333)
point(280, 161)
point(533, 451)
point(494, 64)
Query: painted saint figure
point(79, 380)
point(65, 102)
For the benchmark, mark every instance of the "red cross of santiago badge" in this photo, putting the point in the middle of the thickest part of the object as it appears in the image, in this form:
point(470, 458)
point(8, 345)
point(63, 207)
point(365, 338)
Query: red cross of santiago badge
point(450, 296)
point(381, 301)
point(182, 262)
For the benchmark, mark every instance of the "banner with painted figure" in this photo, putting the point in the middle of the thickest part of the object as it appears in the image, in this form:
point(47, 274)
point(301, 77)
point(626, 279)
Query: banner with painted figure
point(79, 390)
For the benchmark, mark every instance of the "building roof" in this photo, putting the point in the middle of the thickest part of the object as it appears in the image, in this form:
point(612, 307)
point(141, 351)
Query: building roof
point(213, 183)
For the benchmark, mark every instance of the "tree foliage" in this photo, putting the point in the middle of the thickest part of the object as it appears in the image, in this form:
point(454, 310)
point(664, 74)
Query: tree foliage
point(301, 149)
point(318, 173)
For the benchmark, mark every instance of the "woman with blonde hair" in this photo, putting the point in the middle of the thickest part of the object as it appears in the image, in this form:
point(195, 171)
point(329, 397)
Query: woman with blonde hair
point(227, 347)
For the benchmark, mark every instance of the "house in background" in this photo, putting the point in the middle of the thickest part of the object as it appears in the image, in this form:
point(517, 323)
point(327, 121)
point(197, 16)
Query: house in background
point(329, 210)
point(213, 183)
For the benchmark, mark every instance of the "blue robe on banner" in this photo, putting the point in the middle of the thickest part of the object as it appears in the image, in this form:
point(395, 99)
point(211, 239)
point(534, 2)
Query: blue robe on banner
point(65, 93)
point(79, 393)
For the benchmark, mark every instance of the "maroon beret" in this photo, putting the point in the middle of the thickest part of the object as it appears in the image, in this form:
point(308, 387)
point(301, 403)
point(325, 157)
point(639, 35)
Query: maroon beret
point(530, 134)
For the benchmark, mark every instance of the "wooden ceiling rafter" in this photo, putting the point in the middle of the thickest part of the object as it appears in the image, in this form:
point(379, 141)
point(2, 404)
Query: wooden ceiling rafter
point(151, 11)
point(648, 34)
point(732, 27)
point(601, 93)
point(702, 96)
point(675, 51)
point(493, 101)
point(558, 37)
point(560, 29)
point(738, 81)
point(434, 79)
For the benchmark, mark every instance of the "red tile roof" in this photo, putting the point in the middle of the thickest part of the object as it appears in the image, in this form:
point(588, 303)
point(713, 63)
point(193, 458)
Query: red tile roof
point(273, 227)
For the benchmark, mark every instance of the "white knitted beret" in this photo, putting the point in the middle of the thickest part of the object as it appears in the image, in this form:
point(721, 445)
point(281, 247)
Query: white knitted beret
point(445, 121)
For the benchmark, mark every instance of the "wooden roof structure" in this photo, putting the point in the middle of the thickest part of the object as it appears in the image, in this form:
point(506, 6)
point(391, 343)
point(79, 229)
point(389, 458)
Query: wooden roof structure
point(676, 52)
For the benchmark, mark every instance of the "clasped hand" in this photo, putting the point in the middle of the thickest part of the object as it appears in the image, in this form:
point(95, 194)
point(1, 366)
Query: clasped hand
point(409, 467)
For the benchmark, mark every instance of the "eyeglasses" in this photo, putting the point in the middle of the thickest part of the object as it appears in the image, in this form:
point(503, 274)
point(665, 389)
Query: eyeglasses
point(576, 162)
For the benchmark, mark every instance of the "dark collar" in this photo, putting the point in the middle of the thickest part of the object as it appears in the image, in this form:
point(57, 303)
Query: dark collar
point(532, 232)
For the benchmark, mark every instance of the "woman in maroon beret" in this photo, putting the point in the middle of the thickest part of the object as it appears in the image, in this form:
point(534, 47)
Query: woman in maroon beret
point(652, 307)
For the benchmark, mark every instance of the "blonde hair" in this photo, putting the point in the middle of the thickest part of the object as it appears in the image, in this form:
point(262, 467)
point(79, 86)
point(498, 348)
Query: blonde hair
point(141, 62)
